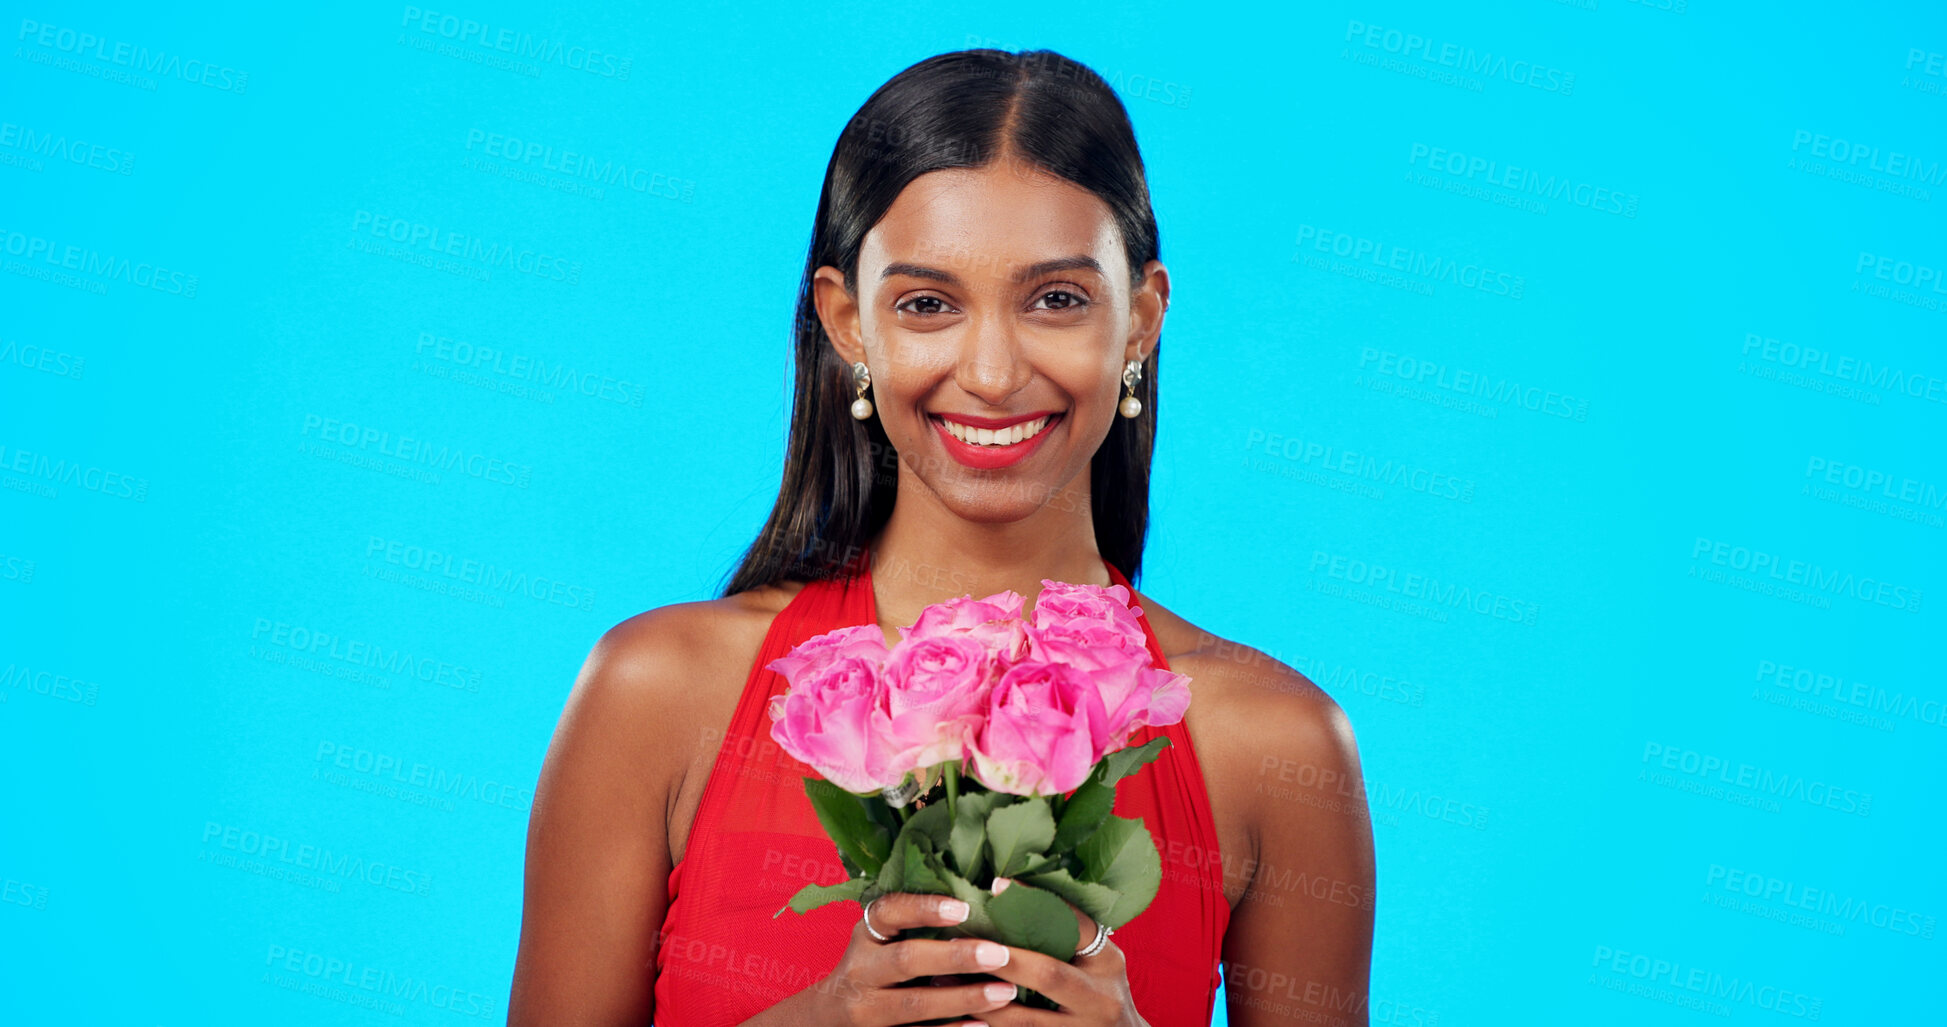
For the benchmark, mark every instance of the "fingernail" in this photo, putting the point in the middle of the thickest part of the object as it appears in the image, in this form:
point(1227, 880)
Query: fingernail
point(999, 991)
point(990, 955)
point(1000, 884)
point(954, 910)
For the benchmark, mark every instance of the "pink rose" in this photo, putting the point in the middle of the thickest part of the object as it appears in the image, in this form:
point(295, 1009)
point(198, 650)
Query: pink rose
point(1093, 629)
point(1039, 738)
point(813, 655)
point(995, 622)
point(1069, 607)
point(936, 693)
point(1035, 706)
point(1133, 691)
point(833, 718)
point(1158, 699)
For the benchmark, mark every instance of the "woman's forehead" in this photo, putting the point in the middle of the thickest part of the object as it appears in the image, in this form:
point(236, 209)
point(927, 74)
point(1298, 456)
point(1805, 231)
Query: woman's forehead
point(989, 223)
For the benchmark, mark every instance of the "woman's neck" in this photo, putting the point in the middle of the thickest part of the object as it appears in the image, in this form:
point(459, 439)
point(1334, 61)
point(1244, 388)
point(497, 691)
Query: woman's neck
point(926, 553)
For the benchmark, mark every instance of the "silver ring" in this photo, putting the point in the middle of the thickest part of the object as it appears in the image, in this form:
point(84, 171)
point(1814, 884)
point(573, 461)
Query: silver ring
point(1101, 938)
point(866, 915)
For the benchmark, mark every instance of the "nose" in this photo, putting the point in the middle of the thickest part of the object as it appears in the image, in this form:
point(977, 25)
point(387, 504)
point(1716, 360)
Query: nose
point(993, 366)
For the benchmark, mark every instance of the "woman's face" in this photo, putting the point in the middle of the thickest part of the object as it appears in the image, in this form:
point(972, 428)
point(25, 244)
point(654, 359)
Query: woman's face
point(998, 294)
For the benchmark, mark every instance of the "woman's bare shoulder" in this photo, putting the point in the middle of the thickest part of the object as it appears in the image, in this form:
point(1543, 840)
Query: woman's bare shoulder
point(1252, 692)
point(666, 651)
point(597, 852)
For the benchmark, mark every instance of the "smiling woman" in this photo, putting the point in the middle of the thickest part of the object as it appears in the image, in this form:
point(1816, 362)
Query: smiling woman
point(975, 411)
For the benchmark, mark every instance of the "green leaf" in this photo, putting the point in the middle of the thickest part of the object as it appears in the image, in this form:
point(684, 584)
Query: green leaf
point(1124, 762)
point(1052, 861)
point(881, 813)
point(1097, 900)
point(977, 924)
point(892, 874)
point(952, 787)
point(922, 874)
point(1035, 919)
point(931, 821)
point(1018, 834)
point(1093, 800)
point(811, 896)
point(1121, 855)
point(967, 841)
point(845, 817)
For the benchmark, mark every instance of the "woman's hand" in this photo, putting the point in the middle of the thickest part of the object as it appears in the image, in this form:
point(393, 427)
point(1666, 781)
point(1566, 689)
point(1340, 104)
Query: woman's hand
point(861, 991)
point(1091, 990)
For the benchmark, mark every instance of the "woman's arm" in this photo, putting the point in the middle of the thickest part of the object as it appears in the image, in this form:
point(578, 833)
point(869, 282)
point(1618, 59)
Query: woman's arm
point(597, 856)
point(1299, 947)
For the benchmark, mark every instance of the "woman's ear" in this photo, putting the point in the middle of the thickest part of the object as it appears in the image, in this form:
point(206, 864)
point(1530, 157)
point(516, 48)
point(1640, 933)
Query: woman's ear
point(838, 311)
point(1146, 307)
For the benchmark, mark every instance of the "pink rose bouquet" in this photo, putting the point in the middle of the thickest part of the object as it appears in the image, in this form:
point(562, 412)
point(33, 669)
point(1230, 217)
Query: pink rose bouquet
point(982, 746)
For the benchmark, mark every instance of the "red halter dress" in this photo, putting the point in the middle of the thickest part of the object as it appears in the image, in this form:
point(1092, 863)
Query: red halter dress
point(721, 958)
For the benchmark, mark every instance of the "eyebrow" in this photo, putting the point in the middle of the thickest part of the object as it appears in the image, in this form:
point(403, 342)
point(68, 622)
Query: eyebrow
point(1079, 262)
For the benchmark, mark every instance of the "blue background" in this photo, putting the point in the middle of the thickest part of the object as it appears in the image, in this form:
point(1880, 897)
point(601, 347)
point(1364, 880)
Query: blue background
point(1569, 409)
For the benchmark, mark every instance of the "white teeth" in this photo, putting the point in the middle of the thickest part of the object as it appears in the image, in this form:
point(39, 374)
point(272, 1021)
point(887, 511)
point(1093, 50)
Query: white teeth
point(1008, 436)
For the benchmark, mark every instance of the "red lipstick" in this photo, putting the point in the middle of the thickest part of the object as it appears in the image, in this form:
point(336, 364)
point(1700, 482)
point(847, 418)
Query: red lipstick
point(993, 457)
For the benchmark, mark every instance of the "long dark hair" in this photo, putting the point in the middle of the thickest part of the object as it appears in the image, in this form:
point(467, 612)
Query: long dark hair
point(948, 111)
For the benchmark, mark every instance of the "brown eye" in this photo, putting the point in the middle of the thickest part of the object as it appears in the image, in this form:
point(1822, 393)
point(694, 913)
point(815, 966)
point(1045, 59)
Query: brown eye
point(1067, 301)
point(911, 304)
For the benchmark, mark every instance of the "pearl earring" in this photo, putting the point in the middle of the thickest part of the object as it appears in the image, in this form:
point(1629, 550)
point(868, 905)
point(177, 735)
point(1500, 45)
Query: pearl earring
point(862, 380)
point(1132, 373)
